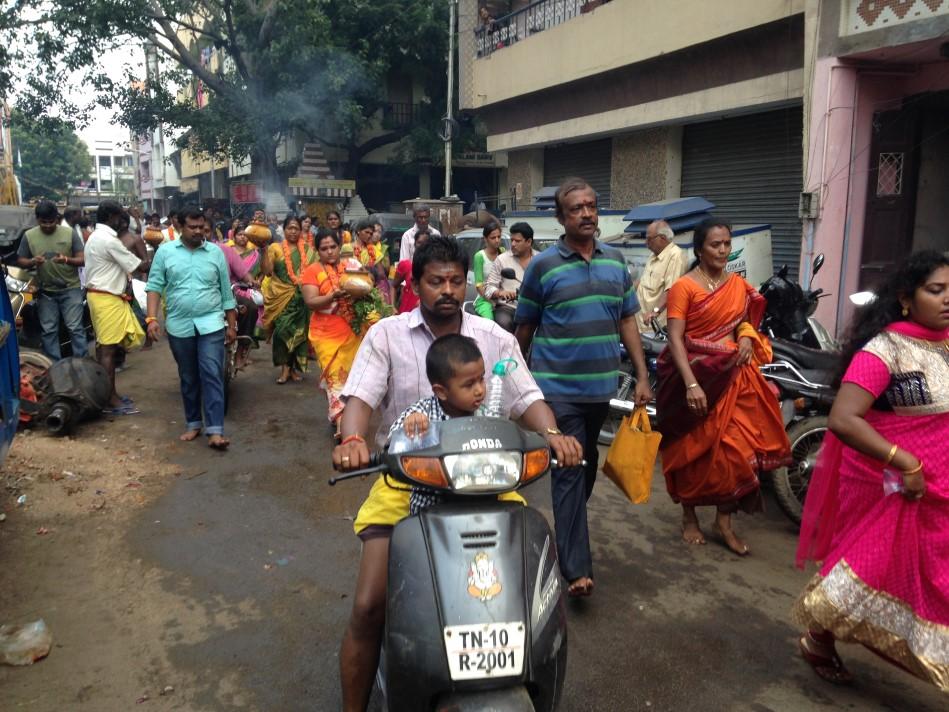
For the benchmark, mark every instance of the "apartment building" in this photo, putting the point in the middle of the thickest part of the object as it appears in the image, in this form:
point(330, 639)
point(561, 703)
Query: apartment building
point(827, 119)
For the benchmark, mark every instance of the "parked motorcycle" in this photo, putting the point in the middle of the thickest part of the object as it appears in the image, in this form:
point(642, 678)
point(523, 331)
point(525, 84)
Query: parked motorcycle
point(804, 367)
point(475, 618)
point(620, 405)
point(790, 311)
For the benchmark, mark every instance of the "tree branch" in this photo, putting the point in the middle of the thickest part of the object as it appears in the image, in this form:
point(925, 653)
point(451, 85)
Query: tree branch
point(379, 141)
point(266, 27)
point(183, 57)
point(235, 49)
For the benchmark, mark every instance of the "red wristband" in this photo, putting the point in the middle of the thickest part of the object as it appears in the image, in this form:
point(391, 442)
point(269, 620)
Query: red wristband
point(353, 438)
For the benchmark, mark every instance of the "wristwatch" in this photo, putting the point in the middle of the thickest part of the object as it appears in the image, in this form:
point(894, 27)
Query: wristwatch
point(552, 431)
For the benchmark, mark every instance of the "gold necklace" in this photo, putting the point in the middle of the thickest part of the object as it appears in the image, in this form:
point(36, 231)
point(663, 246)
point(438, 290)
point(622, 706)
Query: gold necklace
point(710, 283)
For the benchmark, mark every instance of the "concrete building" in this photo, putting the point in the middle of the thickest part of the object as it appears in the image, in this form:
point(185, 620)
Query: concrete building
point(825, 119)
point(647, 100)
point(112, 176)
point(877, 148)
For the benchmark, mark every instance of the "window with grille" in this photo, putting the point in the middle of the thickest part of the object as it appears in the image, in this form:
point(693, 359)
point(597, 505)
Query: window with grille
point(890, 174)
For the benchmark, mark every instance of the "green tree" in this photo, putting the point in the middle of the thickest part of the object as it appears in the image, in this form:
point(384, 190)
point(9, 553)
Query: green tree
point(320, 67)
point(51, 158)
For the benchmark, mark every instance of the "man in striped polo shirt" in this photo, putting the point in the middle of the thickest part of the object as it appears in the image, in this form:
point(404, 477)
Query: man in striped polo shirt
point(576, 304)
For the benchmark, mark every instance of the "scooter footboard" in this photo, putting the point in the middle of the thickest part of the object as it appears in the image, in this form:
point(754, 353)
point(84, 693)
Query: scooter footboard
point(474, 605)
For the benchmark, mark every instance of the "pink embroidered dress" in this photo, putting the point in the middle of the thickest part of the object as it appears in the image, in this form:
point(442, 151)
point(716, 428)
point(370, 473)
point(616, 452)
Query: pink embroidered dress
point(884, 560)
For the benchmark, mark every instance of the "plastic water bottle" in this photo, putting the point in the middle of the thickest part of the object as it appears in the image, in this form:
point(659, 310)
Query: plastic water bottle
point(494, 400)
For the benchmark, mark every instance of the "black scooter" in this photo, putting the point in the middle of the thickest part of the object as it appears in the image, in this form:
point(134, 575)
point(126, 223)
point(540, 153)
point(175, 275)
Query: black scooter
point(475, 617)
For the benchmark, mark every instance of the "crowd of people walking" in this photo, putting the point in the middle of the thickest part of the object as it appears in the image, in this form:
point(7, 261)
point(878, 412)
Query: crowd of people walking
point(329, 293)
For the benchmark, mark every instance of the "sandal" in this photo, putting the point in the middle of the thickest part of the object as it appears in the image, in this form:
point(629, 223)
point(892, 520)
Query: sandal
point(281, 380)
point(829, 668)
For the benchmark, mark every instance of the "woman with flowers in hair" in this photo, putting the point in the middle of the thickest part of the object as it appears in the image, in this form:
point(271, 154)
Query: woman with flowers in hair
point(285, 314)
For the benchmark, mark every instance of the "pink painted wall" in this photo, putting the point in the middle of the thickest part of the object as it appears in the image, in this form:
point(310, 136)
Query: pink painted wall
point(841, 175)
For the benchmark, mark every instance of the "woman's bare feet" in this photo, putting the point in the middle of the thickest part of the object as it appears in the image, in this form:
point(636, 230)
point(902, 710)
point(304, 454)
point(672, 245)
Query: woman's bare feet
point(691, 533)
point(218, 442)
point(295, 376)
point(723, 524)
point(189, 435)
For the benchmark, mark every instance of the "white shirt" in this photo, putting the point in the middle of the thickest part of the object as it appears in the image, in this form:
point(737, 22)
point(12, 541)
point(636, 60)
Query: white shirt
point(494, 282)
point(407, 246)
point(388, 373)
point(108, 261)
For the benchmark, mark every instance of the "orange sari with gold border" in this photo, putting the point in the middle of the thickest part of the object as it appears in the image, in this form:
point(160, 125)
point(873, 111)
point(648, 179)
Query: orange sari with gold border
point(715, 460)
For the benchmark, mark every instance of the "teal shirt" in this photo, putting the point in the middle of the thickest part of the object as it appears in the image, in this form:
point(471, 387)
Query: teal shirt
point(196, 286)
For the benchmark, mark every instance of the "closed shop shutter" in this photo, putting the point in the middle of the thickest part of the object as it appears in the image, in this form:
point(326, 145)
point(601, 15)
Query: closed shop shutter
point(591, 160)
point(750, 167)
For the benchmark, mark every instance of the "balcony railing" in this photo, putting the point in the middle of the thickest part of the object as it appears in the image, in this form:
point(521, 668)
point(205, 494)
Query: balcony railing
point(536, 17)
point(399, 114)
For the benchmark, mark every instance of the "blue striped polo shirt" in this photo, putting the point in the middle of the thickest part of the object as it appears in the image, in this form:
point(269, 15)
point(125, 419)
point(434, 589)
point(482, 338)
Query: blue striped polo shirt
point(576, 306)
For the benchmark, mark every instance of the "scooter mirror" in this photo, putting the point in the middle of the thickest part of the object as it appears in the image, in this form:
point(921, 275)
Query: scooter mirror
point(861, 299)
point(818, 263)
point(508, 273)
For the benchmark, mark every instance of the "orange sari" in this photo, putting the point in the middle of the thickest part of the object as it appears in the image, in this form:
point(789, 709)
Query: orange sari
point(715, 460)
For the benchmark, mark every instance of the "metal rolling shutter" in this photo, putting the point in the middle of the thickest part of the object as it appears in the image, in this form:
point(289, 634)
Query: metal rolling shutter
point(750, 167)
point(591, 161)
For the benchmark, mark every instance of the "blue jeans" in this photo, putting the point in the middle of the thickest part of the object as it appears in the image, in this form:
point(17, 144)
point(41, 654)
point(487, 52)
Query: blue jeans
point(200, 360)
point(68, 304)
point(571, 487)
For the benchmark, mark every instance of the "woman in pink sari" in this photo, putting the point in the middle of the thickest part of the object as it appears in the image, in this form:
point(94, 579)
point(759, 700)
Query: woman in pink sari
point(877, 511)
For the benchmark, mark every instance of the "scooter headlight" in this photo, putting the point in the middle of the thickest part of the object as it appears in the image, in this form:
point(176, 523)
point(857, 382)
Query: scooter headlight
point(494, 471)
point(16, 285)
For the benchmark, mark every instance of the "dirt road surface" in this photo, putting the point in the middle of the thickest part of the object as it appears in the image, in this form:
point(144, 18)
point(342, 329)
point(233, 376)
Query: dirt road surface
point(176, 578)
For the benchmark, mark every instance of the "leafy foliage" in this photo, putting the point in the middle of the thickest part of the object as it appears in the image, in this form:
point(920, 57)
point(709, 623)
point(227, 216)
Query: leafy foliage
point(320, 67)
point(53, 157)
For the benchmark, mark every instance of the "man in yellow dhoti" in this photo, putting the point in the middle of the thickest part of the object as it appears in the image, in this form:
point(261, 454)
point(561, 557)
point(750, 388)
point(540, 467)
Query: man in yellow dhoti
point(108, 264)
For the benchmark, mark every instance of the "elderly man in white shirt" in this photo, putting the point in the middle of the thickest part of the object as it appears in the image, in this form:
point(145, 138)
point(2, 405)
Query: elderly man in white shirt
point(666, 265)
point(502, 290)
point(422, 213)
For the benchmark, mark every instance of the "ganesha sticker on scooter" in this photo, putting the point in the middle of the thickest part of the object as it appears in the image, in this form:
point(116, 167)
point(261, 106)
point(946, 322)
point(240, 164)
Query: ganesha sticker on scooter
point(483, 582)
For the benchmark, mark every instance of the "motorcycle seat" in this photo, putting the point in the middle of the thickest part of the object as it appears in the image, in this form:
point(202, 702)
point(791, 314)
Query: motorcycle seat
point(804, 357)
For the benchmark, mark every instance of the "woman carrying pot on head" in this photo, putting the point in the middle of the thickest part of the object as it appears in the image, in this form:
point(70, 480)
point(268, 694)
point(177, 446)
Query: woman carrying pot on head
point(720, 420)
point(481, 266)
point(876, 517)
point(330, 333)
point(285, 314)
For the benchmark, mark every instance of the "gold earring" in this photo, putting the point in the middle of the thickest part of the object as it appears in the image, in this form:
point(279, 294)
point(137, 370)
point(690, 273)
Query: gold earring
point(905, 311)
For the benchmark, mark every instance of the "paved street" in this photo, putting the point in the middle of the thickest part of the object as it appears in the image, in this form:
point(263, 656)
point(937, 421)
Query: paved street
point(231, 583)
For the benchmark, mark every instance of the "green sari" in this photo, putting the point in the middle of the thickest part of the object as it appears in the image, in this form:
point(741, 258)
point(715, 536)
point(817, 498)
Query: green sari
point(284, 310)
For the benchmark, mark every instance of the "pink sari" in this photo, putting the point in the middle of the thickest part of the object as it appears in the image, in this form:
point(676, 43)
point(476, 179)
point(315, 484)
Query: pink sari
point(884, 560)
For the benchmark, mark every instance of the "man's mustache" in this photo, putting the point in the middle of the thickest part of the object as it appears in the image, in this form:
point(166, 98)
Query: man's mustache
point(447, 300)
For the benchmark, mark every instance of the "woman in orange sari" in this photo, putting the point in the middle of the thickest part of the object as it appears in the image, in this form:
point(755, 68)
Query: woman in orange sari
point(331, 335)
point(720, 420)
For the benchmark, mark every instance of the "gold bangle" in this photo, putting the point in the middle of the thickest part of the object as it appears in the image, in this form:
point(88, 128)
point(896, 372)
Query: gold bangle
point(915, 471)
point(150, 319)
point(691, 386)
point(891, 455)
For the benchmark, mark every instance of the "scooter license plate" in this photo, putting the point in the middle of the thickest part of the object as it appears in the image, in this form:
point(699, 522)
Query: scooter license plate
point(485, 650)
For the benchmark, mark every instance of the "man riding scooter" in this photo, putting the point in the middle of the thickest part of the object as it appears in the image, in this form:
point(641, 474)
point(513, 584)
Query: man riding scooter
point(384, 376)
point(501, 286)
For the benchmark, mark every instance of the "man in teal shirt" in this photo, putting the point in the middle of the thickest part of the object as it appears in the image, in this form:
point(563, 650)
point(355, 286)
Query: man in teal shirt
point(201, 318)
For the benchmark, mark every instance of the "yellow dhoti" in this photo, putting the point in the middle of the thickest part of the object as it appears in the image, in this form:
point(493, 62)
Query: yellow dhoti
point(114, 321)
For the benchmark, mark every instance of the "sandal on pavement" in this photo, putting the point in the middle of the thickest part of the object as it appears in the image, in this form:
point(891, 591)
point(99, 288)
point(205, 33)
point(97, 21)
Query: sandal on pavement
point(829, 668)
point(121, 410)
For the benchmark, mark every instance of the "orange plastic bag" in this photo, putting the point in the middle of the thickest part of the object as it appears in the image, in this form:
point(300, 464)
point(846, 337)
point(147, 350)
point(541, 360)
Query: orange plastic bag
point(632, 456)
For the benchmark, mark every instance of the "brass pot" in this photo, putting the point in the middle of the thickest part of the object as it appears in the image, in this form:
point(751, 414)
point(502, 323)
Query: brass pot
point(258, 233)
point(154, 236)
point(358, 283)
